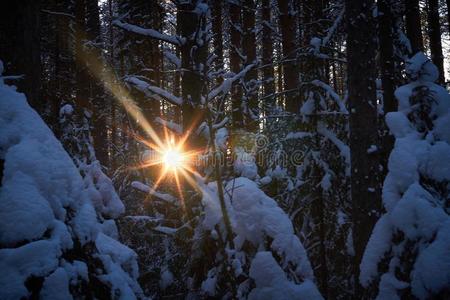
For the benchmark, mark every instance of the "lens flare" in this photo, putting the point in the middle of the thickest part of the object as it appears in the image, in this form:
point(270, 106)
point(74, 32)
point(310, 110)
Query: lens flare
point(173, 159)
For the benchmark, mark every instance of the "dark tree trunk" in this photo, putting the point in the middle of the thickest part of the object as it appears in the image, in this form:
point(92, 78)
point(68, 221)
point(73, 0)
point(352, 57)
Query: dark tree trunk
point(217, 35)
point(290, 77)
point(192, 80)
point(235, 63)
point(413, 26)
point(434, 32)
point(249, 48)
point(365, 185)
point(267, 57)
point(81, 77)
point(96, 92)
point(448, 16)
point(20, 46)
point(387, 64)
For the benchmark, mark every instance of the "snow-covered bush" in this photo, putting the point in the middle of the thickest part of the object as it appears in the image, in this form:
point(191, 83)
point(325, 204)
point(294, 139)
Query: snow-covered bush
point(409, 250)
point(53, 243)
point(266, 259)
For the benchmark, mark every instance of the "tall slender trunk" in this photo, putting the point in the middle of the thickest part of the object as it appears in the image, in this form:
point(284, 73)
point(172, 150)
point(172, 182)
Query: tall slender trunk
point(290, 76)
point(448, 15)
point(249, 49)
point(235, 62)
point(434, 32)
point(413, 26)
point(96, 92)
point(20, 46)
point(193, 56)
point(217, 35)
point(267, 57)
point(387, 64)
point(365, 185)
point(81, 78)
point(113, 107)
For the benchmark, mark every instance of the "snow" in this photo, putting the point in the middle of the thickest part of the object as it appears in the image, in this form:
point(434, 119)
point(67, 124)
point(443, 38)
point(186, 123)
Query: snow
point(255, 217)
point(56, 286)
point(225, 86)
point(431, 274)
point(415, 205)
point(146, 88)
point(149, 32)
point(420, 68)
point(271, 281)
point(37, 218)
point(332, 94)
point(297, 135)
point(177, 128)
point(245, 164)
point(146, 189)
point(166, 279)
point(47, 206)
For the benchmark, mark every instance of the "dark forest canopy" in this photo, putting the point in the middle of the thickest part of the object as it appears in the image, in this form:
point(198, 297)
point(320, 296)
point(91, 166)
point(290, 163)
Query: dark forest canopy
point(225, 149)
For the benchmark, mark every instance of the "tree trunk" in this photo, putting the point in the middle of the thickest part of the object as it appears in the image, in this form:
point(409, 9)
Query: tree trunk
point(267, 57)
point(20, 46)
point(249, 48)
point(235, 63)
point(365, 185)
point(387, 64)
point(448, 15)
point(96, 93)
point(290, 78)
point(434, 32)
point(413, 26)
point(193, 56)
point(81, 78)
point(217, 36)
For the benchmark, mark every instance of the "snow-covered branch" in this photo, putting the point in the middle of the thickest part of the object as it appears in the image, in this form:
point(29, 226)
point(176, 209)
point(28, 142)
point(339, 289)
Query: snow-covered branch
point(343, 148)
point(333, 28)
point(146, 189)
point(145, 87)
point(225, 87)
point(172, 58)
point(177, 128)
point(175, 40)
point(332, 94)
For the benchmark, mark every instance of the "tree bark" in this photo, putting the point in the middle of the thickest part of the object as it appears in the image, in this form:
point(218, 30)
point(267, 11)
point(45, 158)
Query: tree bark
point(235, 63)
point(448, 15)
point(434, 32)
point(249, 48)
point(217, 35)
point(267, 57)
point(365, 185)
point(413, 25)
point(97, 97)
point(290, 76)
point(193, 55)
point(20, 46)
point(387, 65)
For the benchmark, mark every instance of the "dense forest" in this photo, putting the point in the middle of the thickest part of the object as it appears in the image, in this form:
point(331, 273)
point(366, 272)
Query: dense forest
point(225, 149)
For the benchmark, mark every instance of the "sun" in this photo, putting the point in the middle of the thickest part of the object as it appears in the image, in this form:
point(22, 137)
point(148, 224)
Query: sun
point(173, 159)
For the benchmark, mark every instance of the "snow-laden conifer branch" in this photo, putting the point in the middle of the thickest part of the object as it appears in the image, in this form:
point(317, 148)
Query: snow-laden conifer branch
point(333, 28)
point(146, 87)
point(172, 58)
point(175, 40)
point(175, 127)
point(343, 148)
point(332, 94)
point(146, 189)
point(225, 87)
